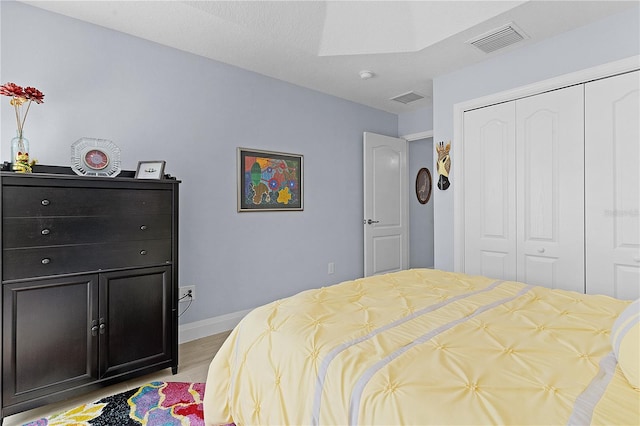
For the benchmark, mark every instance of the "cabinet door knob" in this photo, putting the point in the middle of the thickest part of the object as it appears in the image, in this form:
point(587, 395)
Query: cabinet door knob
point(540, 250)
point(143, 228)
point(45, 202)
point(45, 261)
point(143, 252)
point(45, 231)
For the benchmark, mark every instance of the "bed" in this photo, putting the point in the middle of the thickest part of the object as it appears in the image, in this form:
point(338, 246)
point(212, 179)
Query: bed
point(430, 347)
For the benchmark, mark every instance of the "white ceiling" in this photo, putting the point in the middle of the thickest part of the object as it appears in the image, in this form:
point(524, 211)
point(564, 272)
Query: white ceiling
point(323, 45)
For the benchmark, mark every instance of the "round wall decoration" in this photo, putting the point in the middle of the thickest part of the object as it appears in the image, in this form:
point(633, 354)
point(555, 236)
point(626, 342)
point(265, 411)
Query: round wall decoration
point(95, 157)
point(423, 185)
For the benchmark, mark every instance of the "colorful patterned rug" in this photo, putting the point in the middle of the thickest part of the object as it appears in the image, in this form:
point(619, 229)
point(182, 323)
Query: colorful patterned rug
point(154, 404)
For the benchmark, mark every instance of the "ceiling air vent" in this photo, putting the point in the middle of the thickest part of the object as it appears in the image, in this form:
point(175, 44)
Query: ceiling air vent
point(498, 38)
point(405, 98)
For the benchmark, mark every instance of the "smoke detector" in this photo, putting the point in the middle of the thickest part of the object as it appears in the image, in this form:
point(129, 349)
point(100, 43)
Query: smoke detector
point(366, 75)
point(498, 38)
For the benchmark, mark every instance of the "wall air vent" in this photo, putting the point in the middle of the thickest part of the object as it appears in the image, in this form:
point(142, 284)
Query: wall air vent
point(498, 38)
point(405, 98)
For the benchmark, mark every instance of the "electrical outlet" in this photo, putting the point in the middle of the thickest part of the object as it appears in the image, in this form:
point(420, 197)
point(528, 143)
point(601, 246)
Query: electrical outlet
point(184, 291)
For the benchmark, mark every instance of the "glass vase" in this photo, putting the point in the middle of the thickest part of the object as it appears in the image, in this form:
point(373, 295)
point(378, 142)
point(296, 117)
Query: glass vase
point(20, 154)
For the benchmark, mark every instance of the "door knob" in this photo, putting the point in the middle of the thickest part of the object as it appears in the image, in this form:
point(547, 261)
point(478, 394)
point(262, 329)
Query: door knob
point(370, 221)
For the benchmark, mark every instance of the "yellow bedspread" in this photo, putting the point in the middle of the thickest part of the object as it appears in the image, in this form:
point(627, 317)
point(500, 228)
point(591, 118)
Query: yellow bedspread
point(423, 347)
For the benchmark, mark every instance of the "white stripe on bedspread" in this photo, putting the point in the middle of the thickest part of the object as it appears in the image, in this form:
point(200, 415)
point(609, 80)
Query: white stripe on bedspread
point(324, 366)
point(589, 398)
point(356, 394)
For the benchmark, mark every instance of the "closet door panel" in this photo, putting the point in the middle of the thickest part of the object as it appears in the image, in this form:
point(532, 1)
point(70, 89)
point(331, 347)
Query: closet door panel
point(612, 154)
point(550, 185)
point(489, 182)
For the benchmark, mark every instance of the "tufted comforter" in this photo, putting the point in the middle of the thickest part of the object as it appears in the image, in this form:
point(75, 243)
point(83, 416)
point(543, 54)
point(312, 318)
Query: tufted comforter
point(423, 347)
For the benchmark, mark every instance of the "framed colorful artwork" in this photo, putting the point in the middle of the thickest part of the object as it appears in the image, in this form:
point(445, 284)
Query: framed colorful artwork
point(269, 181)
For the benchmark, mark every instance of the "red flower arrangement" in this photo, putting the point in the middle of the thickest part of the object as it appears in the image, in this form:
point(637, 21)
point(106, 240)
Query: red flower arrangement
point(19, 97)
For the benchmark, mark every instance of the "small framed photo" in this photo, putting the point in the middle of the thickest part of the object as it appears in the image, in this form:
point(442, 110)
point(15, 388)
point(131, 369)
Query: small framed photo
point(150, 170)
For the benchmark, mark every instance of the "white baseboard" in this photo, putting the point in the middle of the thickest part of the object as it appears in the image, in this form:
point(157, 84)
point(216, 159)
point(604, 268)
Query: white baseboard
point(210, 326)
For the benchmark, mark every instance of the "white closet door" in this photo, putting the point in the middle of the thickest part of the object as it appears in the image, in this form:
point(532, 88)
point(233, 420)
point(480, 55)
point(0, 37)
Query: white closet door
point(489, 191)
point(612, 155)
point(550, 189)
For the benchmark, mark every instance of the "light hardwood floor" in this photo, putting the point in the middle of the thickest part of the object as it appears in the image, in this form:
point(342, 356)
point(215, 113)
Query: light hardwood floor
point(193, 359)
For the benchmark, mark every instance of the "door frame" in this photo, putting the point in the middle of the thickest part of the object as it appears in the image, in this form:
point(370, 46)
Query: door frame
point(412, 137)
point(579, 77)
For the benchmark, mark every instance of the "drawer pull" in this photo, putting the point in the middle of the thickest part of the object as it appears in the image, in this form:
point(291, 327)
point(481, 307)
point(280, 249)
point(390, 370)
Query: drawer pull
point(143, 228)
point(46, 261)
point(143, 252)
point(45, 231)
point(45, 202)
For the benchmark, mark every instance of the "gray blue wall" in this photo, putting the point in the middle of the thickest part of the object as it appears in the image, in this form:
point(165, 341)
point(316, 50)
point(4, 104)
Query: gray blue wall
point(160, 103)
point(607, 40)
point(420, 215)
point(155, 103)
point(417, 121)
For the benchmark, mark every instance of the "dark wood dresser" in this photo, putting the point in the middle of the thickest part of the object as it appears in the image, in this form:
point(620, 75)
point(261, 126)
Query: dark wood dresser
point(89, 273)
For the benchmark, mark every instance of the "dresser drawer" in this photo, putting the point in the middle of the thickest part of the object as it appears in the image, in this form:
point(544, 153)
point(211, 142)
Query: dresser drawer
point(32, 201)
point(49, 231)
point(46, 261)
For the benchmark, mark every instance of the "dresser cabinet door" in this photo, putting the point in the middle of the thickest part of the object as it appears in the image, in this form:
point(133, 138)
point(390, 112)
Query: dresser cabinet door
point(48, 343)
point(135, 307)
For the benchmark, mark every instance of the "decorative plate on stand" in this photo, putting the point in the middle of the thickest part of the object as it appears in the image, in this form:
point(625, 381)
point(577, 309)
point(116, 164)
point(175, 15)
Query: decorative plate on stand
point(95, 157)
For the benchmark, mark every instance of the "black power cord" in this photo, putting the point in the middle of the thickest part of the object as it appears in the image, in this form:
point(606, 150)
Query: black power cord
point(190, 296)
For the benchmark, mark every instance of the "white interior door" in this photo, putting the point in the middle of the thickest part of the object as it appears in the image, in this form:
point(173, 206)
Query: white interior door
point(612, 153)
point(386, 217)
point(550, 189)
point(489, 194)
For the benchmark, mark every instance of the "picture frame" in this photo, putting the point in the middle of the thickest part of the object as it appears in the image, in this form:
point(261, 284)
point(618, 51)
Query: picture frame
point(423, 185)
point(150, 169)
point(269, 181)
